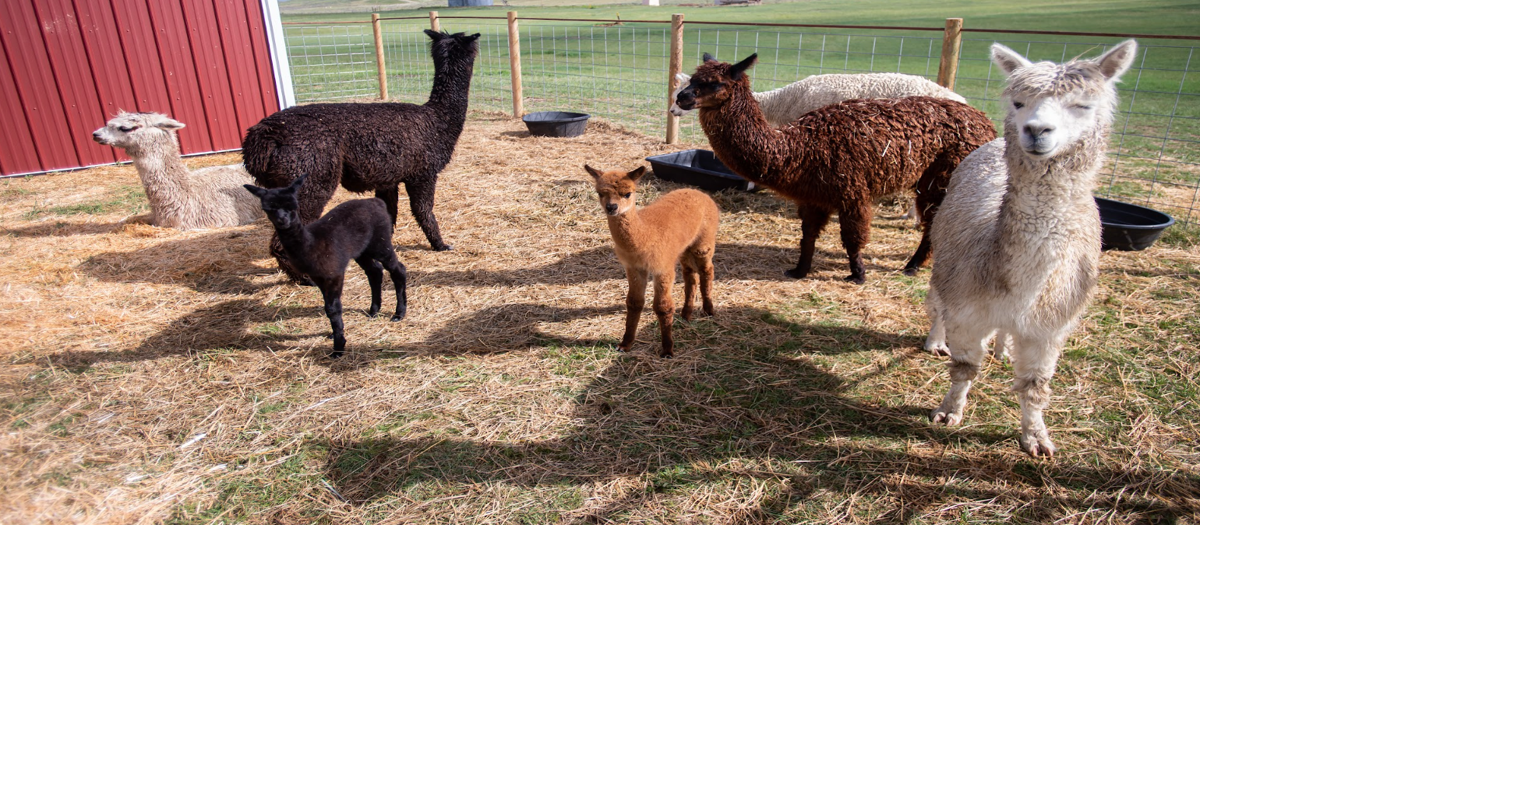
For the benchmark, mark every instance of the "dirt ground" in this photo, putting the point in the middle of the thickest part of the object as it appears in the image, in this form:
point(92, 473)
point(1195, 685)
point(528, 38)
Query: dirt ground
point(154, 375)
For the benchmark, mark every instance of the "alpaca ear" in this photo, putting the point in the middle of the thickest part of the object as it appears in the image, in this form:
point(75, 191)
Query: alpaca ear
point(1115, 63)
point(707, 57)
point(472, 37)
point(737, 71)
point(170, 125)
point(298, 181)
point(432, 34)
point(259, 192)
point(636, 173)
point(1008, 60)
point(597, 174)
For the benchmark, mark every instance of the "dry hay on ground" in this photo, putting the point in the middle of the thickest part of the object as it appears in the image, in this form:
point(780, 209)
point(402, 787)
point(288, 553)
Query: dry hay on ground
point(156, 375)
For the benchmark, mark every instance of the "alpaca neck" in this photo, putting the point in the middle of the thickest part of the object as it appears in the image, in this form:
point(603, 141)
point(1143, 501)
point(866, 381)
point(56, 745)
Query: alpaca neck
point(166, 181)
point(451, 94)
point(746, 142)
point(626, 228)
point(297, 242)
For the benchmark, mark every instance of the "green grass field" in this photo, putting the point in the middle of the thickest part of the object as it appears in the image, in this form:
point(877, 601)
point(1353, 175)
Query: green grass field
point(619, 71)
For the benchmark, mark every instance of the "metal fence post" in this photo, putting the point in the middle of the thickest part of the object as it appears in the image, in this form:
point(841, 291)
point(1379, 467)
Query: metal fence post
point(513, 64)
point(433, 20)
point(675, 63)
point(950, 44)
point(379, 54)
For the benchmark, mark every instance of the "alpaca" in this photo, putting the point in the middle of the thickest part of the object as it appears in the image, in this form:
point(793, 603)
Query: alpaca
point(1019, 237)
point(679, 228)
point(839, 158)
point(368, 146)
point(182, 199)
point(356, 230)
point(785, 104)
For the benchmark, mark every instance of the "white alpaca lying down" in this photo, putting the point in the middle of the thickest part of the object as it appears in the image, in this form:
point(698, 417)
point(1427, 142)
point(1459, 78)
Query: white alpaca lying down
point(206, 198)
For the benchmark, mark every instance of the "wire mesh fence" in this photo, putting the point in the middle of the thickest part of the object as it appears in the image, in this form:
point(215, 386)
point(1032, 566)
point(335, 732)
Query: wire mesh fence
point(619, 73)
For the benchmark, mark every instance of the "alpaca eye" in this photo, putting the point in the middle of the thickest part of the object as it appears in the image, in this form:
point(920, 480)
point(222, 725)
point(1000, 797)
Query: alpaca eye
point(125, 129)
point(628, 196)
point(1082, 106)
point(1018, 104)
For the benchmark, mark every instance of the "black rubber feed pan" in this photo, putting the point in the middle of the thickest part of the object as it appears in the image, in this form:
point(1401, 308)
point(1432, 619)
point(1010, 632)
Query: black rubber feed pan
point(1130, 227)
point(556, 124)
point(697, 167)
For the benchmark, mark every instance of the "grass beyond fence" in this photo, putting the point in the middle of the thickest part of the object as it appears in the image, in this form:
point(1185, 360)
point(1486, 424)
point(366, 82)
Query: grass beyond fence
point(619, 72)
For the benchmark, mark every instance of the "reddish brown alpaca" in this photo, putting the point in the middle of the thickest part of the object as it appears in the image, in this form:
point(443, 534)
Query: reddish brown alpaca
point(680, 228)
point(839, 158)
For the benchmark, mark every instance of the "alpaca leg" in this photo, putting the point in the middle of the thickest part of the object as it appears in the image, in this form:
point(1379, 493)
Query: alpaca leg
point(855, 229)
point(331, 293)
point(967, 346)
point(397, 280)
point(926, 201)
point(636, 298)
point(813, 221)
point(691, 280)
point(420, 192)
point(1034, 364)
point(376, 275)
point(707, 273)
point(391, 196)
point(663, 307)
point(935, 342)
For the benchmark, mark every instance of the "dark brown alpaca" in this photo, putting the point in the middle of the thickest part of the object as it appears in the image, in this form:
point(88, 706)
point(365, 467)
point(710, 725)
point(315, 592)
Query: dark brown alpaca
point(839, 158)
point(356, 230)
point(678, 228)
point(368, 147)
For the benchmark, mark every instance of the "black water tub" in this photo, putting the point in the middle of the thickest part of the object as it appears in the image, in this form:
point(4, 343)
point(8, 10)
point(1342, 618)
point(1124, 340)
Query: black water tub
point(1130, 227)
point(697, 167)
point(556, 124)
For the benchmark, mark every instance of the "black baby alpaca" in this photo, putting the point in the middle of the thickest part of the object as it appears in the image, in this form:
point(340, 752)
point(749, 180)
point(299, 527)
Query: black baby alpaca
point(355, 230)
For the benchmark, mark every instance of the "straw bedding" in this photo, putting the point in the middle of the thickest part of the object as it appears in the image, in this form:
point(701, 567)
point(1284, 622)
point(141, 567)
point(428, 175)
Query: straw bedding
point(164, 376)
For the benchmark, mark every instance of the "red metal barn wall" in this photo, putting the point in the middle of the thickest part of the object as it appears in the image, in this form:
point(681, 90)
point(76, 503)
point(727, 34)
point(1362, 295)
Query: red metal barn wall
point(69, 65)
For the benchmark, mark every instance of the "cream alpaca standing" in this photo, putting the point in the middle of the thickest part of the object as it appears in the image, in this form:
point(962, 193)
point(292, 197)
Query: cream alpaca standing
point(679, 228)
point(207, 198)
point(1018, 238)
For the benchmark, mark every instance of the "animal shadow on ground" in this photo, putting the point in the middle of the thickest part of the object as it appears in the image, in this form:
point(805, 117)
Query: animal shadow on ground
point(726, 416)
point(220, 261)
point(224, 325)
point(732, 261)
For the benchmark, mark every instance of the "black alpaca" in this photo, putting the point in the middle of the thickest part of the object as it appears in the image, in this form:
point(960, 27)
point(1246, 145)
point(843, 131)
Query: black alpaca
point(355, 230)
point(368, 147)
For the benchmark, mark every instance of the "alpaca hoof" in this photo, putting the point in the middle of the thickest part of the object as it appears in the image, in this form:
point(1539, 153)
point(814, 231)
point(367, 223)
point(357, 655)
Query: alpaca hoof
point(796, 273)
point(623, 347)
point(939, 349)
point(336, 355)
point(708, 310)
point(372, 313)
point(666, 354)
point(856, 279)
point(439, 248)
point(397, 318)
point(911, 271)
point(1036, 445)
point(940, 416)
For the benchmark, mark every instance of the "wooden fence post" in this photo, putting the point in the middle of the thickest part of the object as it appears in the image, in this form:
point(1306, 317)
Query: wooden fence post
point(513, 64)
point(433, 20)
point(950, 43)
point(675, 63)
point(379, 54)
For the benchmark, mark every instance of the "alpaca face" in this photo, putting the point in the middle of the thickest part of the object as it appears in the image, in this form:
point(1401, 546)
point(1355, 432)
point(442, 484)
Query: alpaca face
point(280, 204)
point(139, 132)
point(617, 189)
point(713, 84)
point(1051, 107)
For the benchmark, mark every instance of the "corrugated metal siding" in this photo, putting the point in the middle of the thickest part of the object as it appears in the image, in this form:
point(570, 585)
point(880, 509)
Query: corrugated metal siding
point(69, 65)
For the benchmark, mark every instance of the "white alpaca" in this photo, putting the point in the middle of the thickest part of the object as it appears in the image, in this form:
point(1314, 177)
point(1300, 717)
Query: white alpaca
point(1018, 238)
point(783, 105)
point(207, 198)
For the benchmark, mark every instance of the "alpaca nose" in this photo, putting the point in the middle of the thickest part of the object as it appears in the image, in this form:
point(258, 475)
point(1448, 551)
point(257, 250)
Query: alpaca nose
point(1037, 130)
point(610, 207)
